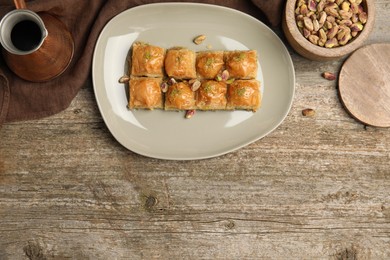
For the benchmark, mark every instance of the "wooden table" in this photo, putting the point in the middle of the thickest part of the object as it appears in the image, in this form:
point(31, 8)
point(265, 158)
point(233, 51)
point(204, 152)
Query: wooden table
point(315, 188)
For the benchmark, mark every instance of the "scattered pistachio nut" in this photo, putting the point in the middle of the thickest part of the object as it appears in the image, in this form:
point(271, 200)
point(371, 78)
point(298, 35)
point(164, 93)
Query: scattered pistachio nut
point(199, 39)
point(124, 79)
point(328, 75)
point(195, 85)
point(230, 81)
point(330, 23)
point(164, 87)
point(225, 75)
point(190, 113)
point(308, 112)
point(191, 81)
point(172, 81)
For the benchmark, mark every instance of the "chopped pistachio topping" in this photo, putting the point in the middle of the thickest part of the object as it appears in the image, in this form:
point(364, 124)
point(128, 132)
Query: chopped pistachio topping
point(175, 92)
point(179, 58)
point(240, 57)
point(147, 55)
point(241, 91)
point(209, 62)
point(208, 88)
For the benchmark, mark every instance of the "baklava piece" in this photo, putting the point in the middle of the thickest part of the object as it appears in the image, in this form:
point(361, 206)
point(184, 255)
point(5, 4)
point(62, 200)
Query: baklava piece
point(145, 93)
point(244, 95)
point(180, 63)
point(180, 97)
point(209, 64)
point(241, 64)
point(211, 95)
point(147, 60)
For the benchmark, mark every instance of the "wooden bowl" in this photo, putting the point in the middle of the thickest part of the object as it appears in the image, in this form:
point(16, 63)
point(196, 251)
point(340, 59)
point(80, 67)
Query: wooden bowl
point(314, 52)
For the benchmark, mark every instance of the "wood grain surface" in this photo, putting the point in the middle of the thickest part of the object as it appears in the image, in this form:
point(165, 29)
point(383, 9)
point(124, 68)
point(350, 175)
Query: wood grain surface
point(365, 90)
point(316, 188)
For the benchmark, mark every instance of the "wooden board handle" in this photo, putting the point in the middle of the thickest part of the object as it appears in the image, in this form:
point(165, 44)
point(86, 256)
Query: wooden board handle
point(20, 4)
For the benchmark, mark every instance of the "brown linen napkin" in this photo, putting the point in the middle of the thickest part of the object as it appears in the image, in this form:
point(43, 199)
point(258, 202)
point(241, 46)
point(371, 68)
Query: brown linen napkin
point(23, 100)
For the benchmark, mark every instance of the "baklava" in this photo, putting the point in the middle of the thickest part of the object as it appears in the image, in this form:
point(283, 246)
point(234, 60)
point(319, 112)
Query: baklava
point(244, 95)
point(209, 64)
point(241, 64)
point(145, 93)
point(180, 63)
point(211, 95)
point(180, 97)
point(147, 60)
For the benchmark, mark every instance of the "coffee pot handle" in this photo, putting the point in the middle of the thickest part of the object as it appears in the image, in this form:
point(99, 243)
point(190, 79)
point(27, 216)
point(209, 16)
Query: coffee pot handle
point(20, 4)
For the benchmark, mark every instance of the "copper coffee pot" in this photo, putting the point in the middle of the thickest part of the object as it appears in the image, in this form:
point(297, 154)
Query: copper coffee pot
point(36, 46)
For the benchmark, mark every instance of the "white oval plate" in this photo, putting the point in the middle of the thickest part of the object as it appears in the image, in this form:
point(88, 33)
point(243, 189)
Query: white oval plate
point(167, 134)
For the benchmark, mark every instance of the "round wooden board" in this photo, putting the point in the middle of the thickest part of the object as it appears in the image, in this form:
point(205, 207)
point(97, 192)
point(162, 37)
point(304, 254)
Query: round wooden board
point(364, 84)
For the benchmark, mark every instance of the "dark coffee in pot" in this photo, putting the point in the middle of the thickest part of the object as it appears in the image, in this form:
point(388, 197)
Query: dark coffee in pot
point(26, 35)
